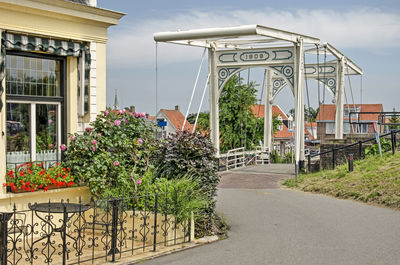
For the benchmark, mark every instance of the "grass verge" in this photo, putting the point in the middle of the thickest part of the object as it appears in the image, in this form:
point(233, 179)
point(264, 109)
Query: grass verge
point(374, 179)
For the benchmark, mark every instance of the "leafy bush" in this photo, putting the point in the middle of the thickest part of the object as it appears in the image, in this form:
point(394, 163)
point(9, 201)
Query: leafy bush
point(185, 154)
point(112, 155)
point(386, 145)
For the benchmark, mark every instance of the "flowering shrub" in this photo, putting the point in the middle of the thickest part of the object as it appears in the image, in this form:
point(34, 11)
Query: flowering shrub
point(113, 154)
point(33, 176)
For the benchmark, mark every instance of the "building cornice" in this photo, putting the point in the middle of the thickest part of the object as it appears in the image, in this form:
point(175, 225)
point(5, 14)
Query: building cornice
point(66, 9)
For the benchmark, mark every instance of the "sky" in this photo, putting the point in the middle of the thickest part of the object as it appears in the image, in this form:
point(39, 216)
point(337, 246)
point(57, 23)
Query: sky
point(367, 32)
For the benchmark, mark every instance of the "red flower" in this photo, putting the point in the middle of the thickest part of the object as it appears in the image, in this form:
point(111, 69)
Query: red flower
point(70, 183)
point(23, 187)
point(14, 187)
point(40, 186)
point(32, 189)
point(46, 188)
point(22, 174)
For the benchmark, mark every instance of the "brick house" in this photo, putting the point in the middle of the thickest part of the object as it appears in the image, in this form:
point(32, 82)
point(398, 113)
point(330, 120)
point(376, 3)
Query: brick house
point(326, 121)
point(285, 133)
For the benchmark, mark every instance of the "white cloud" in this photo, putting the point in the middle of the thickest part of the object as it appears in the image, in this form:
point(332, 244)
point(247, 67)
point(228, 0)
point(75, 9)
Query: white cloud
point(365, 28)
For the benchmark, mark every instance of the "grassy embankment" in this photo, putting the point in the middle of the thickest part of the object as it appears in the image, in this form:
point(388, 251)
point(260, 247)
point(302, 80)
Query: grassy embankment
point(374, 180)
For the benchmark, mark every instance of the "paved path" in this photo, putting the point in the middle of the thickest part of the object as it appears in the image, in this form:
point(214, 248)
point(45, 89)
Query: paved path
point(280, 226)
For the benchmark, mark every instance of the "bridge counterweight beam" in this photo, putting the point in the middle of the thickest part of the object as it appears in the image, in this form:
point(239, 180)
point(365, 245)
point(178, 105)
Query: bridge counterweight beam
point(214, 106)
point(268, 112)
point(339, 101)
point(299, 105)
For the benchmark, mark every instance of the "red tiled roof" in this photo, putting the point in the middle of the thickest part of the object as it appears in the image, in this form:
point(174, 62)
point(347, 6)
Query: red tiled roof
point(177, 119)
point(285, 134)
point(327, 112)
point(310, 124)
point(258, 111)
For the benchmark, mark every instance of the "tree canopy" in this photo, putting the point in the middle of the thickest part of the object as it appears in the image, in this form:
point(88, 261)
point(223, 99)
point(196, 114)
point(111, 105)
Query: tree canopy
point(238, 125)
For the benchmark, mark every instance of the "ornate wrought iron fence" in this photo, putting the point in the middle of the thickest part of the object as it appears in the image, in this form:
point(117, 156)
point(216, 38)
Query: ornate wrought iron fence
point(99, 231)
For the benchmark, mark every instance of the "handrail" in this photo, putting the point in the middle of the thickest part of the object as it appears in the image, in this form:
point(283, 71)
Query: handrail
point(238, 157)
point(393, 132)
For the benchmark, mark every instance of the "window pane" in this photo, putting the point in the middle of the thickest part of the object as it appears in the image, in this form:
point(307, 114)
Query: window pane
point(18, 136)
point(46, 132)
point(32, 76)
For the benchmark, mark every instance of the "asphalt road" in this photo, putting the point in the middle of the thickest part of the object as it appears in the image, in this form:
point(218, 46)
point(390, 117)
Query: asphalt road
point(280, 226)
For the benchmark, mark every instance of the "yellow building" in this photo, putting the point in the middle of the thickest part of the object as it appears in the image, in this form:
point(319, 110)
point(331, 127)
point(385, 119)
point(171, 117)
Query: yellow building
point(53, 75)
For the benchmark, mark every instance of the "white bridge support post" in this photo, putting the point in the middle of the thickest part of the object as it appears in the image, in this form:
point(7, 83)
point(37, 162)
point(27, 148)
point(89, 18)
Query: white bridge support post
point(339, 100)
point(299, 105)
point(268, 112)
point(214, 105)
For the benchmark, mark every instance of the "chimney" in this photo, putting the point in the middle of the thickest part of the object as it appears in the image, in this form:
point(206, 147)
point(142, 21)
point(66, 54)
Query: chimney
point(132, 109)
point(177, 107)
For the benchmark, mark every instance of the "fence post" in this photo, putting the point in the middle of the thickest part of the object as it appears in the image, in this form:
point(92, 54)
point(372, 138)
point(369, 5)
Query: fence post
point(114, 226)
point(359, 149)
point(155, 223)
point(309, 163)
point(333, 157)
point(392, 135)
point(64, 231)
point(351, 160)
point(4, 218)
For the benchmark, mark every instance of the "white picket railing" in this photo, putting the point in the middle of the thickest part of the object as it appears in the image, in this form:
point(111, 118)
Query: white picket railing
point(235, 158)
point(25, 156)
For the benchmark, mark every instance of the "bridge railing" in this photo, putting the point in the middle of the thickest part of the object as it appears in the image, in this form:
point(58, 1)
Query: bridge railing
point(355, 150)
point(235, 158)
point(238, 157)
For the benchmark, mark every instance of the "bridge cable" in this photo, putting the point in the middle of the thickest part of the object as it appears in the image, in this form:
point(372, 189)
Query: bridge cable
point(194, 88)
point(325, 82)
point(258, 110)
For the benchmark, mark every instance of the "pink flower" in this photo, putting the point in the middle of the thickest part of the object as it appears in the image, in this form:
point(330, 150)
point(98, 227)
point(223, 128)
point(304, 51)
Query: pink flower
point(121, 111)
point(106, 112)
point(94, 142)
point(93, 148)
point(88, 129)
point(117, 122)
point(140, 141)
point(99, 134)
point(124, 120)
point(63, 147)
point(139, 181)
point(50, 121)
point(73, 138)
point(140, 114)
point(116, 163)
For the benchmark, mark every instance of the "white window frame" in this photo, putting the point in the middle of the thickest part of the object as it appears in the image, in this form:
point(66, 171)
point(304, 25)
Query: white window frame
point(32, 122)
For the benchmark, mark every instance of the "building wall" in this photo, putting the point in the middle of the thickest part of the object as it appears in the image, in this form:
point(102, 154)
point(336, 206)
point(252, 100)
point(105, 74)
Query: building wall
point(170, 128)
point(62, 20)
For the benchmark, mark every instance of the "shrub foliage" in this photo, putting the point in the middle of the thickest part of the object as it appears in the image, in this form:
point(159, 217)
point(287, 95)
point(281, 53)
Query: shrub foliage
point(184, 153)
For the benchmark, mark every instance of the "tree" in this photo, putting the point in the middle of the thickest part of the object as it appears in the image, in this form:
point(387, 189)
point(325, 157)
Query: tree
point(310, 114)
point(238, 125)
point(394, 119)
